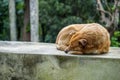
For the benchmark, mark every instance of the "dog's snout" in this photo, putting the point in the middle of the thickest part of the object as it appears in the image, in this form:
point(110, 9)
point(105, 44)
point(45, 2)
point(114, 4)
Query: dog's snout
point(66, 51)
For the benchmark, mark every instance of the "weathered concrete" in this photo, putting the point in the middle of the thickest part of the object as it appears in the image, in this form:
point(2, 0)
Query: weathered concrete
point(41, 61)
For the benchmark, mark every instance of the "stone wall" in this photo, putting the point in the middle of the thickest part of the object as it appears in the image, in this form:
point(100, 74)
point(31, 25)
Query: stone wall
point(41, 61)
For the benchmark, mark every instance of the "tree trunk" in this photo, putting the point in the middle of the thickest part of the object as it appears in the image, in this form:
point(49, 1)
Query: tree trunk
point(12, 18)
point(25, 33)
point(34, 20)
point(112, 18)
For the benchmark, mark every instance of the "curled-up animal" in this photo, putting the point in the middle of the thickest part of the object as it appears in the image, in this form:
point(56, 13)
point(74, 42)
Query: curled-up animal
point(89, 38)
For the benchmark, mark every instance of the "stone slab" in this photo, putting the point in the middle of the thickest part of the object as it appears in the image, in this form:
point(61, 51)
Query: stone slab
point(48, 49)
point(42, 61)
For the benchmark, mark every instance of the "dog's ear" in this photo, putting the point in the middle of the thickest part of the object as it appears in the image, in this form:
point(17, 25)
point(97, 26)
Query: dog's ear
point(83, 42)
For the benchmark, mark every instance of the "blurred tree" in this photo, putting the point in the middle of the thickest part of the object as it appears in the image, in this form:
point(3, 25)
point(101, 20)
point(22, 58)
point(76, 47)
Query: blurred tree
point(26, 22)
point(12, 16)
point(34, 20)
point(109, 11)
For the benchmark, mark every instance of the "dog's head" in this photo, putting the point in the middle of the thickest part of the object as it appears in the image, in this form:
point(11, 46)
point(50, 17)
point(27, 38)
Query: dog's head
point(76, 43)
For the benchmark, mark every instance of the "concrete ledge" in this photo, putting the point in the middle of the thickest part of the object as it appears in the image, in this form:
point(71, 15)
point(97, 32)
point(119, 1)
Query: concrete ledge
point(48, 49)
point(41, 61)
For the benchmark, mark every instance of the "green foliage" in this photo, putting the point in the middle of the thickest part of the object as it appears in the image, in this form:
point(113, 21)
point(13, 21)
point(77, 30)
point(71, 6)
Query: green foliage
point(114, 39)
point(19, 6)
point(4, 20)
point(55, 14)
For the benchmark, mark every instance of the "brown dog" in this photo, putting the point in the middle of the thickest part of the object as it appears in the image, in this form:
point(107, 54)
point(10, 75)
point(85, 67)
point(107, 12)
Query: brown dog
point(83, 39)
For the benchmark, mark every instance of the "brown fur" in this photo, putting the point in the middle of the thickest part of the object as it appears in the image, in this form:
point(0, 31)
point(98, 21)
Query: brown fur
point(83, 39)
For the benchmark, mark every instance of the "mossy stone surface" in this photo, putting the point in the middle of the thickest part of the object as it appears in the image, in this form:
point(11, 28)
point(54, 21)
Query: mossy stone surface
point(42, 61)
